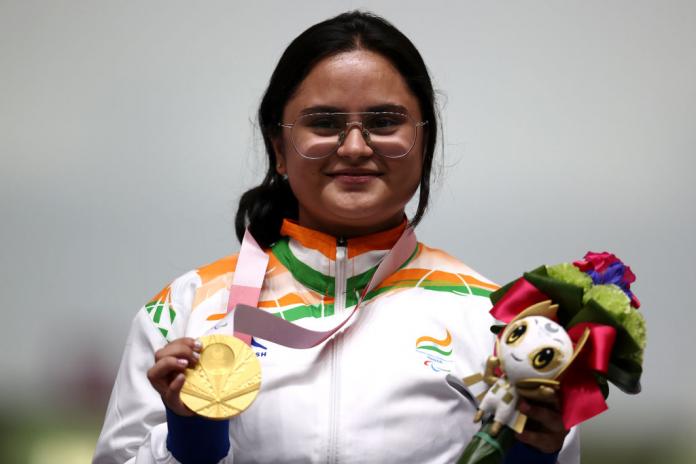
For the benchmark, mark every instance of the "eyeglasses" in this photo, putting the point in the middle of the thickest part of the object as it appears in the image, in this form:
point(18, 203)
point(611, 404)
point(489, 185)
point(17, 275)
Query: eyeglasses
point(318, 135)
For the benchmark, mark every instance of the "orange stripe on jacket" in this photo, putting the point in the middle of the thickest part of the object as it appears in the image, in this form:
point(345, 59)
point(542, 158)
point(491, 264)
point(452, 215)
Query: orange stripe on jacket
point(435, 276)
point(446, 341)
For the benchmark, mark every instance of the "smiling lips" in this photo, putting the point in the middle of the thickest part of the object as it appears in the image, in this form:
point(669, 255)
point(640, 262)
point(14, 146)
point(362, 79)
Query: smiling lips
point(354, 176)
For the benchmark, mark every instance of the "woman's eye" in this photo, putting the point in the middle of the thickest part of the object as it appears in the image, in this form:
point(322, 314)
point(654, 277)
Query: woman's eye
point(516, 334)
point(324, 123)
point(384, 123)
point(319, 124)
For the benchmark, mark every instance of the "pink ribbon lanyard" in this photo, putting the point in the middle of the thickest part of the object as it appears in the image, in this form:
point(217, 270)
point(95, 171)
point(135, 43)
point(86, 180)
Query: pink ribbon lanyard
point(247, 282)
point(250, 320)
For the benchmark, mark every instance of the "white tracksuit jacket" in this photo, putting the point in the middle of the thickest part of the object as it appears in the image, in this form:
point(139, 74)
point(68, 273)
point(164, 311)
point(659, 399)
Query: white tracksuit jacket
point(373, 393)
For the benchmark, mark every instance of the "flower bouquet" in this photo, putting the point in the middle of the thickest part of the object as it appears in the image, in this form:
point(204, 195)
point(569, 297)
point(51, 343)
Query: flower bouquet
point(568, 329)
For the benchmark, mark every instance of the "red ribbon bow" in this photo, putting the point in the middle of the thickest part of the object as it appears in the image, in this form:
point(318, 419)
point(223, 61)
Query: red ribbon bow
point(581, 397)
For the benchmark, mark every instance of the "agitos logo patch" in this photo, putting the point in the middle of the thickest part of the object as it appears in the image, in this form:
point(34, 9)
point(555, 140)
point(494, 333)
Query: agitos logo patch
point(436, 352)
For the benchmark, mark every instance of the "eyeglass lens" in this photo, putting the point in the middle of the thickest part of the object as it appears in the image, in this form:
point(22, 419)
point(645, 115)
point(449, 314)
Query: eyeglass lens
point(389, 134)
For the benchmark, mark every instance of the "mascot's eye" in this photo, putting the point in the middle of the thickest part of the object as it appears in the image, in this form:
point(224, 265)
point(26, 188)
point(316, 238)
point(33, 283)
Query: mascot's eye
point(545, 359)
point(516, 334)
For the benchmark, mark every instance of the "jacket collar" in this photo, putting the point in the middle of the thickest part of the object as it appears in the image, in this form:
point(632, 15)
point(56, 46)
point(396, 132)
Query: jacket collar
point(326, 244)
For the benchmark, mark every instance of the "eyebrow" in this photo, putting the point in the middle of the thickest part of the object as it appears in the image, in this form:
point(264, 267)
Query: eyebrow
point(320, 109)
point(389, 107)
point(386, 107)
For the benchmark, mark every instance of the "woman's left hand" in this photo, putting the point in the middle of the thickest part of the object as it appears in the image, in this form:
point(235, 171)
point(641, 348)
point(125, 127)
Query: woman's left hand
point(544, 429)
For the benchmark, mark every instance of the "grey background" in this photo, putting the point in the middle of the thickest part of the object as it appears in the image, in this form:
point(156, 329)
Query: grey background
point(127, 134)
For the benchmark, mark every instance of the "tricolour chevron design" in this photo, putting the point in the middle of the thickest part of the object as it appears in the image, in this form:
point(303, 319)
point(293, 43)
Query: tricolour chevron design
point(161, 312)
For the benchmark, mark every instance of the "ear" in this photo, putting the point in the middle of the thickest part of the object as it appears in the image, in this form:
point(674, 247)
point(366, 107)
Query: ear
point(426, 139)
point(281, 166)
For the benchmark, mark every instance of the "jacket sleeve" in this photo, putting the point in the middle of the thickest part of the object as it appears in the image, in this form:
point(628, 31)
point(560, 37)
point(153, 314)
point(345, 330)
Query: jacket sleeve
point(135, 428)
point(570, 453)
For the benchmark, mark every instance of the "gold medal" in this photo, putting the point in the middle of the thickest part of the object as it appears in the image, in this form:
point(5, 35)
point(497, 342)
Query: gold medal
point(226, 379)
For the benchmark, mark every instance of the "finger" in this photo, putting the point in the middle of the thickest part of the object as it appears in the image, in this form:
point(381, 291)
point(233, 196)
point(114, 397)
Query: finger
point(552, 400)
point(544, 442)
point(550, 419)
point(186, 348)
point(161, 373)
point(172, 396)
point(178, 346)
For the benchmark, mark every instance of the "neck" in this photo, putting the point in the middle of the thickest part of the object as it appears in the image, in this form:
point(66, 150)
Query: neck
point(351, 230)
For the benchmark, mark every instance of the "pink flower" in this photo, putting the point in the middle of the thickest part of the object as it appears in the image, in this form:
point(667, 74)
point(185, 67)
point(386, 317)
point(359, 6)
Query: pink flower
point(596, 261)
point(605, 268)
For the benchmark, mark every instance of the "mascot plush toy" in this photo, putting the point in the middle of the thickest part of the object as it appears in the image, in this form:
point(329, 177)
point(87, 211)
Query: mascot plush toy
point(532, 352)
point(565, 330)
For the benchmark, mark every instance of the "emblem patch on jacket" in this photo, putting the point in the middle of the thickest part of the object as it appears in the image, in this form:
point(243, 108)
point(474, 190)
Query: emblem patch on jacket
point(436, 352)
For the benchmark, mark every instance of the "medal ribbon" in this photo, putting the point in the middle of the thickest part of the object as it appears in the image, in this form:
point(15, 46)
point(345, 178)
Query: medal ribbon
point(246, 285)
point(250, 320)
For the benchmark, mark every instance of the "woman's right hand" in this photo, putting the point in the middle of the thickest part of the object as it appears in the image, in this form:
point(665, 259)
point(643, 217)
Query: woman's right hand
point(167, 375)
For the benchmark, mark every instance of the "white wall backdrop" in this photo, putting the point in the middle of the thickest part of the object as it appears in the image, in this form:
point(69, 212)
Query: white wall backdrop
point(127, 135)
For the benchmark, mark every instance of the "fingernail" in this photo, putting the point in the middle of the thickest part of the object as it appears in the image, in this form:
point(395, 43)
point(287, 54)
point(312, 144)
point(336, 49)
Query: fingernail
point(182, 362)
point(197, 345)
point(196, 355)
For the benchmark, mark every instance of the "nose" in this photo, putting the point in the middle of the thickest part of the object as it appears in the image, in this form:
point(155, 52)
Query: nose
point(355, 142)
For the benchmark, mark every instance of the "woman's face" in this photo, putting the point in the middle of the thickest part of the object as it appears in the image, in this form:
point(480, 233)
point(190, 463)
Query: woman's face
point(354, 191)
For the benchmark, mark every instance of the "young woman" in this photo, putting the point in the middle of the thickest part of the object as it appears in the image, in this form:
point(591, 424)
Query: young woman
point(350, 128)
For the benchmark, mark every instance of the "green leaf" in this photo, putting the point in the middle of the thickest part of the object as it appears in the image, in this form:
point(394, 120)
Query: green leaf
point(568, 297)
point(566, 272)
point(625, 375)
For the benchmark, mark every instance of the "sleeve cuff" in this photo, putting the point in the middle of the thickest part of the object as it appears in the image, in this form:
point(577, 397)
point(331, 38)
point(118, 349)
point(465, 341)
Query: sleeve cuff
point(196, 439)
point(521, 453)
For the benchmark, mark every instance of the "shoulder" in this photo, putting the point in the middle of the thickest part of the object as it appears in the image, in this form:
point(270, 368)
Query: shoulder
point(169, 309)
point(201, 291)
point(194, 279)
point(434, 269)
point(217, 274)
point(434, 258)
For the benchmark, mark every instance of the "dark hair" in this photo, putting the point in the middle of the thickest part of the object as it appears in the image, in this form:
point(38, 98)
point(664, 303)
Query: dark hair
point(264, 207)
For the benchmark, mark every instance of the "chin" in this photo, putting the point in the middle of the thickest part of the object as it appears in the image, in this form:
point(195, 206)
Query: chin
point(366, 216)
point(356, 210)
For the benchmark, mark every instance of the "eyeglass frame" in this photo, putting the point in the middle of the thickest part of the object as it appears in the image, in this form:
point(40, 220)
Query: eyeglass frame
point(349, 125)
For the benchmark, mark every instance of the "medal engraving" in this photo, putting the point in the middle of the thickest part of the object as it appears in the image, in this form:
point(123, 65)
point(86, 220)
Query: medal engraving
point(226, 379)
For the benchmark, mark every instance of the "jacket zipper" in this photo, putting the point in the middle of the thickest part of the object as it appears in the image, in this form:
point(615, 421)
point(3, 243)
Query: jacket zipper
point(340, 281)
point(332, 449)
point(340, 288)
